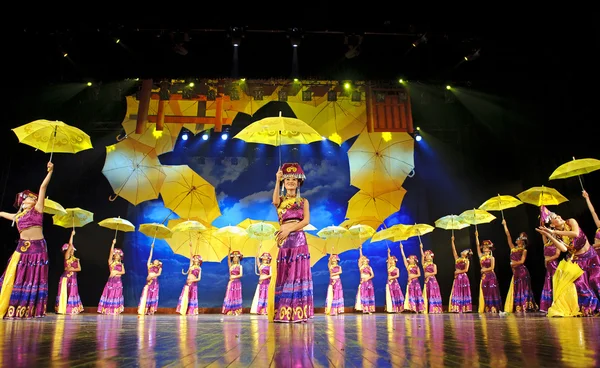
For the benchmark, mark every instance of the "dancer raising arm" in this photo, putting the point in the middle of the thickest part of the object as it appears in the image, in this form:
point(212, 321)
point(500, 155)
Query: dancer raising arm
point(432, 296)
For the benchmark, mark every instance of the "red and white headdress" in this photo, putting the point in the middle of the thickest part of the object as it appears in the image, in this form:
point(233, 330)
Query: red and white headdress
point(293, 170)
point(21, 197)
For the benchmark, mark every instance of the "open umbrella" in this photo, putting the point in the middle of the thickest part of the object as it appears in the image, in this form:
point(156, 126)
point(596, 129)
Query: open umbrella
point(133, 171)
point(380, 162)
point(476, 217)
point(278, 131)
point(53, 208)
point(53, 136)
point(451, 222)
point(416, 230)
point(75, 217)
point(210, 248)
point(542, 196)
point(155, 231)
point(380, 206)
point(500, 203)
point(391, 232)
point(117, 224)
point(337, 233)
point(576, 168)
point(162, 141)
point(187, 194)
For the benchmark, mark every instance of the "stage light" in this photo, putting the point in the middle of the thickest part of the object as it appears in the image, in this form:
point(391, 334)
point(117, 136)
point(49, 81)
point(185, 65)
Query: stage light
point(236, 34)
point(65, 54)
point(418, 128)
point(89, 84)
point(224, 136)
point(117, 40)
point(401, 81)
point(191, 84)
point(448, 87)
point(323, 138)
point(295, 36)
point(418, 138)
point(295, 79)
point(184, 136)
point(204, 137)
point(347, 85)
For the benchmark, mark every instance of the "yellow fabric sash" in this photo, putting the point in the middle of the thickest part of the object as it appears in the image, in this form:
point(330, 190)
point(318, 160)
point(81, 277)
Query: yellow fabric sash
point(481, 306)
point(425, 300)
point(142, 306)
point(358, 304)
point(184, 300)
point(388, 299)
point(406, 302)
point(62, 303)
point(510, 298)
point(254, 307)
point(329, 299)
point(9, 281)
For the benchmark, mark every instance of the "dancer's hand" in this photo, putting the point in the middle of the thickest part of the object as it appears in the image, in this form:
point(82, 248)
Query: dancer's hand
point(73, 232)
point(282, 235)
point(50, 166)
point(279, 175)
point(114, 241)
point(585, 195)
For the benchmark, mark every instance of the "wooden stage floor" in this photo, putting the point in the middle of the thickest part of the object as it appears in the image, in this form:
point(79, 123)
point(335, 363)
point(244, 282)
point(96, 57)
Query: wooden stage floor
point(351, 340)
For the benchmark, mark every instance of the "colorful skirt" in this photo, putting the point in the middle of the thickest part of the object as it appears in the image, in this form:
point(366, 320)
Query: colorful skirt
point(546, 300)
point(460, 296)
point(432, 296)
point(588, 300)
point(261, 297)
point(490, 300)
point(149, 298)
point(334, 304)
point(394, 299)
point(111, 301)
point(566, 292)
point(67, 299)
point(294, 286)
point(365, 298)
point(590, 263)
point(188, 300)
point(24, 283)
point(414, 297)
point(520, 296)
point(232, 304)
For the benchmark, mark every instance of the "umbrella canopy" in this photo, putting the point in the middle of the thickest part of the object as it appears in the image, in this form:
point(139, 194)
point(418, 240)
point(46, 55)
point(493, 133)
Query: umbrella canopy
point(476, 217)
point(188, 195)
point(189, 226)
point(117, 223)
point(75, 217)
point(575, 168)
point(162, 141)
point(380, 162)
point(380, 206)
point(53, 208)
point(391, 232)
point(133, 171)
point(53, 136)
point(542, 196)
point(202, 241)
point(156, 231)
point(362, 220)
point(279, 131)
point(500, 203)
point(361, 232)
point(451, 222)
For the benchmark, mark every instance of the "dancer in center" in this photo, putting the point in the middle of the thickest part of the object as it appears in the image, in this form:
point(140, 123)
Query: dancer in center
point(490, 300)
point(414, 295)
point(232, 304)
point(149, 299)
point(188, 300)
point(394, 298)
point(261, 295)
point(432, 296)
point(111, 301)
point(520, 296)
point(67, 298)
point(334, 303)
point(460, 296)
point(291, 295)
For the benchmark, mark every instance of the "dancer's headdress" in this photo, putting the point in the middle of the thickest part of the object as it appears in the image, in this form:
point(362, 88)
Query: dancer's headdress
point(293, 170)
point(21, 197)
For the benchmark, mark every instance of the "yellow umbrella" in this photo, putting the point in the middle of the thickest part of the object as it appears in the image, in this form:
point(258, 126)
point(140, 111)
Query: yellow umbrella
point(210, 248)
point(261, 231)
point(187, 194)
point(155, 230)
point(309, 227)
point(417, 230)
point(380, 162)
point(380, 206)
point(53, 208)
point(576, 168)
point(335, 232)
point(476, 217)
point(390, 233)
point(362, 220)
point(500, 203)
point(361, 231)
point(117, 224)
point(162, 141)
point(542, 196)
point(188, 226)
point(278, 131)
point(133, 171)
point(53, 136)
point(75, 217)
point(228, 233)
point(451, 222)
point(338, 120)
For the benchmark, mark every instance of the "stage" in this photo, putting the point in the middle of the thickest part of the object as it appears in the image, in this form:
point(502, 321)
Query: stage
point(350, 340)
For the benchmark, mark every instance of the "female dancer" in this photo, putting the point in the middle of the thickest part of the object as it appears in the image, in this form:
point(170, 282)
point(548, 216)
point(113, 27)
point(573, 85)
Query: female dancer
point(593, 265)
point(365, 298)
point(24, 283)
point(489, 291)
point(551, 254)
point(334, 304)
point(232, 304)
point(111, 301)
point(520, 296)
point(414, 295)
point(432, 298)
point(569, 237)
point(149, 299)
point(188, 300)
point(394, 299)
point(261, 296)
point(460, 296)
point(291, 296)
point(67, 298)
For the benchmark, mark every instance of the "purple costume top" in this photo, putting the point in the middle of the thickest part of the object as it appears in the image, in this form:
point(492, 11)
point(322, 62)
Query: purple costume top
point(29, 218)
point(153, 268)
point(290, 209)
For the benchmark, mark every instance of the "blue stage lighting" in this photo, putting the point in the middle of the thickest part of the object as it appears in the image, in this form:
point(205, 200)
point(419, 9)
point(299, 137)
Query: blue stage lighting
point(418, 138)
point(204, 137)
point(224, 136)
point(184, 136)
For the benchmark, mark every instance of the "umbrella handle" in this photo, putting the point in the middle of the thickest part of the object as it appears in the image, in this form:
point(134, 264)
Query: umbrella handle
point(53, 140)
point(502, 212)
point(279, 137)
point(112, 197)
point(580, 182)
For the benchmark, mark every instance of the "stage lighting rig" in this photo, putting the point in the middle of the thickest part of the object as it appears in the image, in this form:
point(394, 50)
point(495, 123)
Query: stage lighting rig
point(295, 35)
point(236, 34)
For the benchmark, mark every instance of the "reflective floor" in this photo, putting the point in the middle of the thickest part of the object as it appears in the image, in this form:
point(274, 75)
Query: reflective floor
point(352, 340)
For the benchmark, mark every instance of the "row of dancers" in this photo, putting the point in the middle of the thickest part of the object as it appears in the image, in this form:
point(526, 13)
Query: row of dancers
point(24, 284)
